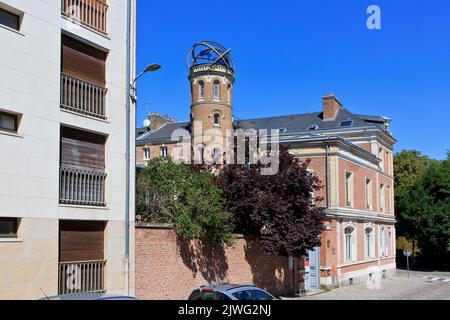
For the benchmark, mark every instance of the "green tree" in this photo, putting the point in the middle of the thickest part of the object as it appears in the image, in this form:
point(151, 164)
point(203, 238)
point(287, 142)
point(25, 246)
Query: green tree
point(424, 208)
point(409, 165)
point(167, 192)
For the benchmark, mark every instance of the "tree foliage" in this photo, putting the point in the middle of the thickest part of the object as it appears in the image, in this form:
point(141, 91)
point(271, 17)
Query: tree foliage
point(423, 211)
point(168, 192)
point(276, 208)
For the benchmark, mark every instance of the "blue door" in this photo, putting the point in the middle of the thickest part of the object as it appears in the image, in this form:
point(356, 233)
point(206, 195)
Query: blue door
point(314, 265)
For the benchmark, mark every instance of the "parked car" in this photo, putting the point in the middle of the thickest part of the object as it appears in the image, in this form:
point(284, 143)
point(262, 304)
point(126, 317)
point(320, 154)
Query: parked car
point(230, 292)
point(88, 296)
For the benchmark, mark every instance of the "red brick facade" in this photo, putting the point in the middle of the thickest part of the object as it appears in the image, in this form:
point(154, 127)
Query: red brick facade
point(169, 268)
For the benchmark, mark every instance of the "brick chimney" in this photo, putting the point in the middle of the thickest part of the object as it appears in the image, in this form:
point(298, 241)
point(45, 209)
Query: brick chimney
point(331, 105)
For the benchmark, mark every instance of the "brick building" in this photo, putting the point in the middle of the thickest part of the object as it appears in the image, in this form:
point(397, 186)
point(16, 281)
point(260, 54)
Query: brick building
point(352, 154)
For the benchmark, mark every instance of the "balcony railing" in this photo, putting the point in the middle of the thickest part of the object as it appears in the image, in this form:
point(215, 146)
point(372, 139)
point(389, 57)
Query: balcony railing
point(81, 186)
point(81, 276)
point(82, 96)
point(90, 13)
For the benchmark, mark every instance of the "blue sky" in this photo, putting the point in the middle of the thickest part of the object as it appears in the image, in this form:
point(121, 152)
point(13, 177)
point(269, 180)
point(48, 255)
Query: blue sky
point(289, 54)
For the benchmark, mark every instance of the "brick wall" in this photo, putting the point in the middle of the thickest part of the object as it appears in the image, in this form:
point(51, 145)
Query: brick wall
point(170, 268)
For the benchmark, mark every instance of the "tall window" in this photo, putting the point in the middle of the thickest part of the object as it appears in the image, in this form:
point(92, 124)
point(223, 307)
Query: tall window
point(201, 90)
point(216, 90)
point(8, 122)
point(350, 243)
point(368, 194)
point(216, 155)
point(216, 119)
point(229, 93)
point(9, 19)
point(384, 242)
point(163, 152)
point(370, 242)
point(146, 153)
point(381, 156)
point(201, 154)
point(348, 189)
point(382, 198)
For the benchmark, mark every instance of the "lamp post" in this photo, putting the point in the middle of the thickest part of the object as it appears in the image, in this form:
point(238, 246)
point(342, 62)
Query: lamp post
point(131, 96)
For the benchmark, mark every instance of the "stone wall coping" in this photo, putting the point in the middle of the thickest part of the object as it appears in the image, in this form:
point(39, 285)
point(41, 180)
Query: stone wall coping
point(169, 226)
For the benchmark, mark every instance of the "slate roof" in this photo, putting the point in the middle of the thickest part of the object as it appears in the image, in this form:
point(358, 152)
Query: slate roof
point(286, 124)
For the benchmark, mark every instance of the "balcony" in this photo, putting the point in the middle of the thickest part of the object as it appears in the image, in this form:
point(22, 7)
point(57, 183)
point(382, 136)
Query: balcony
point(83, 97)
point(81, 276)
point(89, 13)
point(82, 186)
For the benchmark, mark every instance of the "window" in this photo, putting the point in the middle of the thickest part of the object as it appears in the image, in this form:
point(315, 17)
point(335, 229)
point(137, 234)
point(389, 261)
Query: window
point(216, 119)
point(201, 90)
point(163, 152)
point(146, 153)
point(381, 156)
point(346, 123)
point(350, 243)
point(244, 295)
point(8, 227)
point(384, 242)
point(229, 93)
point(9, 19)
point(261, 295)
point(369, 241)
point(348, 189)
point(201, 154)
point(313, 127)
point(216, 90)
point(8, 122)
point(368, 194)
point(382, 203)
point(208, 295)
point(216, 155)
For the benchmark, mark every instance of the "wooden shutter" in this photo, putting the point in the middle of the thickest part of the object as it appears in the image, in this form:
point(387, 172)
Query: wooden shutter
point(81, 240)
point(83, 61)
point(82, 149)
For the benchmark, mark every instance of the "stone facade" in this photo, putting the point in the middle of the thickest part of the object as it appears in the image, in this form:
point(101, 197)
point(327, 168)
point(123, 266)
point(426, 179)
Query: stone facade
point(30, 64)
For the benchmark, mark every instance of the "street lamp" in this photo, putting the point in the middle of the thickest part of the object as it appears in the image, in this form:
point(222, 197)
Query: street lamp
point(131, 96)
point(149, 68)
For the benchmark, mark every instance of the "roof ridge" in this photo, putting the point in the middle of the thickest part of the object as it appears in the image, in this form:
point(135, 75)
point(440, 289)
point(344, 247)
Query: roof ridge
point(282, 116)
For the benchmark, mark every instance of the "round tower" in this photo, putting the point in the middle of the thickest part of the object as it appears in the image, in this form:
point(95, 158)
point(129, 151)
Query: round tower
point(211, 75)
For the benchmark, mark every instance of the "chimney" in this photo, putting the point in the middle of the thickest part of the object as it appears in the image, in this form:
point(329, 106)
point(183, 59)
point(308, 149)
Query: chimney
point(331, 106)
point(157, 120)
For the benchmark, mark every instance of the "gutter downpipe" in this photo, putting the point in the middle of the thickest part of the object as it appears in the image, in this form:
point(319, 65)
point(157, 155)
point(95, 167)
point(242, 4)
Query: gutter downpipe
point(127, 155)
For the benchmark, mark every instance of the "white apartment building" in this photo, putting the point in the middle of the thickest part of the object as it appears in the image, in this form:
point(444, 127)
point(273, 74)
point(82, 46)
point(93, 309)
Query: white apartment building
point(65, 70)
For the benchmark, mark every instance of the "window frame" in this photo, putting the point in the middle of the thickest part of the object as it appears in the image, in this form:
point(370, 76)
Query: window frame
point(18, 16)
point(218, 119)
point(369, 241)
point(350, 246)
point(382, 197)
point(369, 194)
point(146, 155)
point(341, 124)
point(163, 151)
point(216, 90)
point(15, 227)
point(201, 90)
point(16, 121)
point(349, 190)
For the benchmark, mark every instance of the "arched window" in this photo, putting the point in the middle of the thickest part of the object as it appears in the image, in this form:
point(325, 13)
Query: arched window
point(350, 243)
point(216, 90)
point(201, 90)
point(370, 242)
point(216, 119)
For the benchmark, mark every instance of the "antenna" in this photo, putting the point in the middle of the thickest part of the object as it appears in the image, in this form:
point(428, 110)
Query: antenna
point(146, 104)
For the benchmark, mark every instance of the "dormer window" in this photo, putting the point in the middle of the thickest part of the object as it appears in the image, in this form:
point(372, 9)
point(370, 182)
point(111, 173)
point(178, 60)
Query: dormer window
point(313, 127)
point(346, 123)
point(201, 90)
point(216, 90)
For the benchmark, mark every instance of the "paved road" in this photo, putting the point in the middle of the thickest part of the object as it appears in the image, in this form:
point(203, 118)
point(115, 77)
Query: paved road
point(419, 286)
